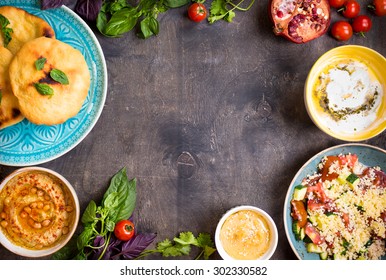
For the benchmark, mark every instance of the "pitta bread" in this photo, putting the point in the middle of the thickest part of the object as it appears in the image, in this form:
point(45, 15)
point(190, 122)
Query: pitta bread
point(25, 27)
point(9, 105)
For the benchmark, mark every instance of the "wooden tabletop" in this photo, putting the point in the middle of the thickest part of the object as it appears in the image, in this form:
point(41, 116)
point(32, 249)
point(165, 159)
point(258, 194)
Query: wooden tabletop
point(206, 117)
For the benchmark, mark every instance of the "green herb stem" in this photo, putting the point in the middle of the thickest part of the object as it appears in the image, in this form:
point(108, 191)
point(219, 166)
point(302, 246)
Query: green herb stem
point(237, 6)
point(105, 246)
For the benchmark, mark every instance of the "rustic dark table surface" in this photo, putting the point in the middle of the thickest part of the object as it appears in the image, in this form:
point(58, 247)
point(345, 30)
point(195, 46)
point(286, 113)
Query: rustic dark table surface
point(206, 117)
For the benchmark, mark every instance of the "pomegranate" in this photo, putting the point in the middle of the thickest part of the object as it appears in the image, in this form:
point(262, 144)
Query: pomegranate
point(300, 20)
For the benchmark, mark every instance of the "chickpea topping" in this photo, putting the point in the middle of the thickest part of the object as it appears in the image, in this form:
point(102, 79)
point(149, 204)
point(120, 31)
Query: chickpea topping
point(46, 223)
point(4, 223)
point(65, 230)
point(37, 225)
point(69, 208)
point(40, 193)
point(24, 214)
point(46, 207)
point(39, 246)
point(65, 215)
point(27, 209)
point(7, 200)
point(33, 205)
point(47, 197)
point(3, 215)
point(33, 190)
point(40, 205)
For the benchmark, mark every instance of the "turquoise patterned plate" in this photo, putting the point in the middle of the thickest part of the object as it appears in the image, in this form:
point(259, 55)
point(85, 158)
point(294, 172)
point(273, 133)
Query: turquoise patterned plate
point(367, 154)
point(26, 144)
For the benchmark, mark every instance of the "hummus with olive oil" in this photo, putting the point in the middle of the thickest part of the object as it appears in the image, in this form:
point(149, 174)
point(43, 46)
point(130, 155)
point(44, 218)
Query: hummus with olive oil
point(350, 95)
point(36, 210)
point(245, 235)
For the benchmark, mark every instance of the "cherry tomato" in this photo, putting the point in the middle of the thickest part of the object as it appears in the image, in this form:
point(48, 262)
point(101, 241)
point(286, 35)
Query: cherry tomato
point(351, 9)
point(379, 7)
point(361, 24)
point(124, 230)
point(197, 12)
point(341, 30)
point(336, 3)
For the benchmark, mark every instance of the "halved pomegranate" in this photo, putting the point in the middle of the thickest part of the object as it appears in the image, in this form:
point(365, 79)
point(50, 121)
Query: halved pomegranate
point(300, 20)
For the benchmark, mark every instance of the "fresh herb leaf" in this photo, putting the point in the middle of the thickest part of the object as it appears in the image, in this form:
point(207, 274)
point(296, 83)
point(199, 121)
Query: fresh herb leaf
point(59, 76)
point(88, 9)
point(134, 247)
point(120, 22)
point(39, 64)
point(224, 9)
point(176, 3)
point(44, 89)
point(149, 27)
point(7, 31)
point(186, 238)
point(126, 194)
point(89, 213)
point(182, 245)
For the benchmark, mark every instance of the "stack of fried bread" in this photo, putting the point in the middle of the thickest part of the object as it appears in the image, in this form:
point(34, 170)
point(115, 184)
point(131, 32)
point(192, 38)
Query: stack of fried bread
point(42, 79)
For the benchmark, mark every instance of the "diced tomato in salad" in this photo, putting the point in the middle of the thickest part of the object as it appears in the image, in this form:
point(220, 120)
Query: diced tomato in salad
point(350, 160)
point(313, 234)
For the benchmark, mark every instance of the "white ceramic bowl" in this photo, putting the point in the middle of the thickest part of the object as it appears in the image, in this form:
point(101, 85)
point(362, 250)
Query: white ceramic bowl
point(35, 253)
point(273, 240)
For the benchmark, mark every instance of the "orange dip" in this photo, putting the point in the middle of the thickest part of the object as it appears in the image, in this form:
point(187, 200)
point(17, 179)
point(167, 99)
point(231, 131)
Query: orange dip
point(245, 235)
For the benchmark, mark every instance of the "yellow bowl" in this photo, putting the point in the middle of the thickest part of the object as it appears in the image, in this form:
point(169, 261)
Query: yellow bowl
point(376, 65)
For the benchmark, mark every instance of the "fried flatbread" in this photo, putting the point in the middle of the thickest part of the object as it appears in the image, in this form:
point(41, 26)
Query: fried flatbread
point(9, 105)
point(65, 100)
point(25, 27)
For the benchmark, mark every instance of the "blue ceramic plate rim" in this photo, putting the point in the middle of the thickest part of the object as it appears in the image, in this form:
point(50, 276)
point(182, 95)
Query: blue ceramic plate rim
point(367, 154)
point(55, 141)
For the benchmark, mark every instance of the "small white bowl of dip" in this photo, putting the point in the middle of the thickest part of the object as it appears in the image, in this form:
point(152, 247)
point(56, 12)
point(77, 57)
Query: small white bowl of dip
point(246, 233)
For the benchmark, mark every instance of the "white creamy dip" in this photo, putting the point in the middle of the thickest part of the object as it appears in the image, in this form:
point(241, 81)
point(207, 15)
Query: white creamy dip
point(350, 95)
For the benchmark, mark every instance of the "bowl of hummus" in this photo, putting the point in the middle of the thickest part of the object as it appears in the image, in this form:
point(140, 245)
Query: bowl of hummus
point(345, 93)
point(39, 212)
point(246, 233)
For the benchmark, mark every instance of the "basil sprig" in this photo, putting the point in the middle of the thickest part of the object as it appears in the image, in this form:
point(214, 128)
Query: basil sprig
point(7, 31)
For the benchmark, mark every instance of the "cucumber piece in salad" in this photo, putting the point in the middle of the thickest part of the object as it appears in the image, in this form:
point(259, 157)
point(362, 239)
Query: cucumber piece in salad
point(299, 192)
point(313, 248)
point(298, 231)
point(353, 180)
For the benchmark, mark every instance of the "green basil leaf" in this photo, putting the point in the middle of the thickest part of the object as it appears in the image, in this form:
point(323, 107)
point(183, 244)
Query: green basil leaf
point(111, 201)
point(44, 89)
point(39, 64)
point(85, 237)
point(121, 22)
point(68, 251)
point(110, 225)
point(59, 76)
point(4, 22)
point(127, 194)
point(149, 27)
point(176, 3)
point(89, 214)
point(101, 20)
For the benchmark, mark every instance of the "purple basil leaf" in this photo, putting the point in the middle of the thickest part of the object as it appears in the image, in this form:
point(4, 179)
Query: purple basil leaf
point(88, 9)
point(113, 248)
point(52, 4)
point(135, 246)
point(98, 242)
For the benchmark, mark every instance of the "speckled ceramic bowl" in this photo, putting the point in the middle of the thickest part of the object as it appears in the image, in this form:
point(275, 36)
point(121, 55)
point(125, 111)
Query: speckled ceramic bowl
point(71, 221)
point(273, 239)
point(376, 65)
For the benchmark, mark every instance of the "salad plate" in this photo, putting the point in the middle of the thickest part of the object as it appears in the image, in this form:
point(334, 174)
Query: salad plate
point(27, 144)
point(367, 155)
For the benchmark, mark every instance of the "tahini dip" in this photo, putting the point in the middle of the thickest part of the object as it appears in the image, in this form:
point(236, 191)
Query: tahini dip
point(350, 95)
point(36, 210)
point(245, 235)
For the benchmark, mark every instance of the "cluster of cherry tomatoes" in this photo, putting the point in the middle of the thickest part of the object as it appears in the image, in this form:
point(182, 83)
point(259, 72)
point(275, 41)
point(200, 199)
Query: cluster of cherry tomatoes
point(343, 30)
